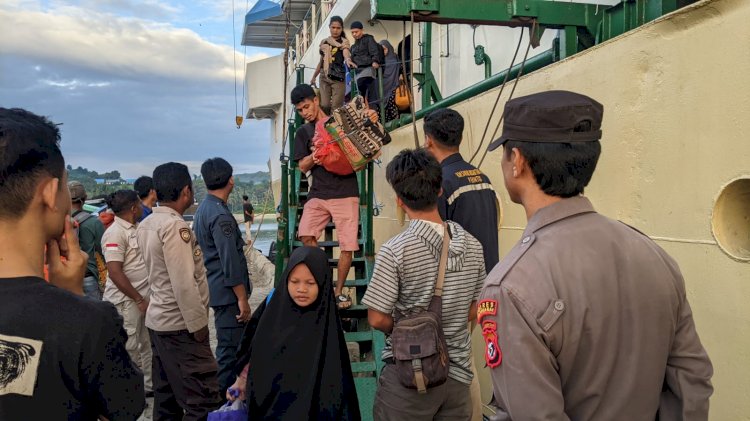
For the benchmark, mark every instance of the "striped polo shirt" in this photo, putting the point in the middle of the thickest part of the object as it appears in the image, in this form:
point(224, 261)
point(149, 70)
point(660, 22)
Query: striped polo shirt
point(404, 278)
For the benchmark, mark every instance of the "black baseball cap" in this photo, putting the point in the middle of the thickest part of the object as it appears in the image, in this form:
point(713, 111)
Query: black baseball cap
point(551, 117)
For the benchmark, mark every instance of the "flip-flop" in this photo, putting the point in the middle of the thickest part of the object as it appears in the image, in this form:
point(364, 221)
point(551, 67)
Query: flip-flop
point(343, 302)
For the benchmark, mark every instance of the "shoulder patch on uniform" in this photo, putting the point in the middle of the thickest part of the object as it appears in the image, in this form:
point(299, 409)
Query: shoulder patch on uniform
point(226, 228)
point(493, 355)
point(486, 308)
point(185, 234)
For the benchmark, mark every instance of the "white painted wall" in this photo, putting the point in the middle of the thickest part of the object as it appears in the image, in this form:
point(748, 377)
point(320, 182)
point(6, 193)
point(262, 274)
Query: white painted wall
point(263, 81)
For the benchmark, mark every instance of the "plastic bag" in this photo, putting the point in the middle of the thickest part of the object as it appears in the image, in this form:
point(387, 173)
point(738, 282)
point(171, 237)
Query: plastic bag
point(328, 151)
point(231, 411)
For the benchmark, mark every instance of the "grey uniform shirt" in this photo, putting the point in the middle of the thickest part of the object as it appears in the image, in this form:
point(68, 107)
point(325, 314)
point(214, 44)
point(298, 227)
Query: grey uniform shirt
point(404, 279)
point(176, 275)
point(223, 251)
point(587, 319)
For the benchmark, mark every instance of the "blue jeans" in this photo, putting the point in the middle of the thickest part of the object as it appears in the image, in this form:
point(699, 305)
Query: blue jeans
point(91, 288)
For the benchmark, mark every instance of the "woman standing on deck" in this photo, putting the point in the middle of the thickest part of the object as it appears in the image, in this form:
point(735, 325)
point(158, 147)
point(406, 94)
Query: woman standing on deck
point(334, 50)
point(293, 361)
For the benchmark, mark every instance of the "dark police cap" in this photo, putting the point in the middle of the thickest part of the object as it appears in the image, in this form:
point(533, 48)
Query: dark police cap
point(551, 117)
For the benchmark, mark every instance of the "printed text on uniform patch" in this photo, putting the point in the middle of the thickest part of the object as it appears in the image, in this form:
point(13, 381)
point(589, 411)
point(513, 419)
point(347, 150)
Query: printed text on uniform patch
point(486, 308)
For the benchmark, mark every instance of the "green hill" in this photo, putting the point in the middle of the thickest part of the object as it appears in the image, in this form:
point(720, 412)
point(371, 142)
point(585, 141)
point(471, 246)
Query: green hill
point(259, 177)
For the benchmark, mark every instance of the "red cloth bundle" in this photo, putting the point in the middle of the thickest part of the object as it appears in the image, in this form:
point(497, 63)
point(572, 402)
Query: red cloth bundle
point(328, 152)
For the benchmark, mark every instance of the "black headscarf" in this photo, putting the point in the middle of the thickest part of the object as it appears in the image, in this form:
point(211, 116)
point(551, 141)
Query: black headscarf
point(299, 363)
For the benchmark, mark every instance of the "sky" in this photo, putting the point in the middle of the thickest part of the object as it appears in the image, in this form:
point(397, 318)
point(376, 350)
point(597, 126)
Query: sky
point(135, 83)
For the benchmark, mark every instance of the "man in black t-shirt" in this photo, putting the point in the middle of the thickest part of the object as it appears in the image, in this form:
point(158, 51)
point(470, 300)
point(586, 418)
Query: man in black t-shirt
point(468, 197)
point(63, 355)
point(331, 196)
point(248, 215)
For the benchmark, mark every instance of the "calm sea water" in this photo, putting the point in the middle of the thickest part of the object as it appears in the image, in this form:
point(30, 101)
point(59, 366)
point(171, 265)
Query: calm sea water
point(266, 235)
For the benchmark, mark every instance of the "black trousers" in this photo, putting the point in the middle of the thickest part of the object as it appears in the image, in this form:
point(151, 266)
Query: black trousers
point(228, 337)
point(184, 377)
point(368, 88)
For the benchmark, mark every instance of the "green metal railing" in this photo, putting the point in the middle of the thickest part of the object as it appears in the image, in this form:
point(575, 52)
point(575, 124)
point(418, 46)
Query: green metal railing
point(580, 25)
point(534, 63)
point(371, 342)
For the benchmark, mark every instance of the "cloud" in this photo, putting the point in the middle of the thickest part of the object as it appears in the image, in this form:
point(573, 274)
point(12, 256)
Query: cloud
point(131, 92)
point(149, 9)
point(123, 46)
point(74, 84)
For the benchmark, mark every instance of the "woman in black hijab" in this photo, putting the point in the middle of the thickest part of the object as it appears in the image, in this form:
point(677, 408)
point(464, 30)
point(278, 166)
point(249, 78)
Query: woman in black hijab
point(391, 72)
point(294, 344)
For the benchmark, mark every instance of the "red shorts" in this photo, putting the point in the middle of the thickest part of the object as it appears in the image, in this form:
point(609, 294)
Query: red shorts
point(345, 214)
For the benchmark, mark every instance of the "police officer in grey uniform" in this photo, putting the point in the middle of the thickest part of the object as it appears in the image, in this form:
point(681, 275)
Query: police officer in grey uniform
point(184, 369)
point(585, 318)
point(226, 267)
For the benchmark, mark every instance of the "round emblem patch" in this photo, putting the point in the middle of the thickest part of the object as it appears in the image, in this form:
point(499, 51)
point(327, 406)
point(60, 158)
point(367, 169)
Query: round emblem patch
point(185, 234)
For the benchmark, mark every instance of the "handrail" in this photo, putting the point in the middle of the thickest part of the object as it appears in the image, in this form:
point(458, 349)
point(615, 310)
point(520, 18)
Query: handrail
point(320, 14)
point(532, 64)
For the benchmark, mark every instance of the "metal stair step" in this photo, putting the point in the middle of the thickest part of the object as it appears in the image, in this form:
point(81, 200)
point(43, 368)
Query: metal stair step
point(356, 308)
point(356, 282)
point(298, 243)
point(335, 262)
point(364, 336)
point(363, 367)
point(357, 311)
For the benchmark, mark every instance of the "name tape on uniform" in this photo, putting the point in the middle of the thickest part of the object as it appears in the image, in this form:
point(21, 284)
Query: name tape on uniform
point(486, 308)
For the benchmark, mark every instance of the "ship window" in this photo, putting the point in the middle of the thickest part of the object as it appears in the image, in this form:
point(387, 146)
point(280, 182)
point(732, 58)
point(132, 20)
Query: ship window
point(730, 220)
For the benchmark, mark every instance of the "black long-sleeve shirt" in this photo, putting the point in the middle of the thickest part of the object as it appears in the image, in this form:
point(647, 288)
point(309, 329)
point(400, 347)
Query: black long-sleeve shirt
point(367, 51)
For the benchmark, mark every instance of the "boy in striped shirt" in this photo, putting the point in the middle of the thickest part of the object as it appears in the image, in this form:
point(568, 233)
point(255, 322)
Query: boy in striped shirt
point(404, 279)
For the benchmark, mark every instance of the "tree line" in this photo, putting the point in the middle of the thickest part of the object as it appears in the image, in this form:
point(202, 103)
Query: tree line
point(255, 186)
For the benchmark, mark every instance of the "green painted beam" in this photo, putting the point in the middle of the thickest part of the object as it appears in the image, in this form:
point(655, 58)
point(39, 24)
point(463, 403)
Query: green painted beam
point(534, 63)
point(552, 14)
point(358, 336)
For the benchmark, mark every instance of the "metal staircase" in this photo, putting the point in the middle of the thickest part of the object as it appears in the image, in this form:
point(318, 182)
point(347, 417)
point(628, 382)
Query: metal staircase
point(369, 342)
